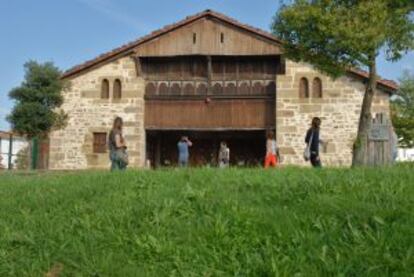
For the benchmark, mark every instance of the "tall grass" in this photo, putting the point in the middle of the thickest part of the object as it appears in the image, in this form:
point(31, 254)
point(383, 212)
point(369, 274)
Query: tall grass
point(206, 222)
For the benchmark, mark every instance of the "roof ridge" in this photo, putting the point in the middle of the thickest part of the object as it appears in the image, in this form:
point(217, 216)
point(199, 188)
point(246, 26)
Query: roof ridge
point(170, 27)
point(162, 30)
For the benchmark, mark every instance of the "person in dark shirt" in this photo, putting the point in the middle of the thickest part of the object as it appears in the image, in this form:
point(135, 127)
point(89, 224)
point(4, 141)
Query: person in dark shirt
point(312, 140)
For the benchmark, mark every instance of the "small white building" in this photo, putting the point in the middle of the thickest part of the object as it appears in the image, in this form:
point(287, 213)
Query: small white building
point(18, 143)
point(405, 154)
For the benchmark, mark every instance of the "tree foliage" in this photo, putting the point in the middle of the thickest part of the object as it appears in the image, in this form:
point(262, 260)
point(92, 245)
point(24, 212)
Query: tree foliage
point(336, 35)
point(403, 111)
point(37, 100)
point(22, 160)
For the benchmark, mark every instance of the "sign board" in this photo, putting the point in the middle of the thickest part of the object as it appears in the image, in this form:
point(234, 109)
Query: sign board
point(379, 132)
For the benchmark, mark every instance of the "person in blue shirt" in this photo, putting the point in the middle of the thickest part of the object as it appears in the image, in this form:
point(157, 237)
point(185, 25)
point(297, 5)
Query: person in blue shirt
point(183, 152)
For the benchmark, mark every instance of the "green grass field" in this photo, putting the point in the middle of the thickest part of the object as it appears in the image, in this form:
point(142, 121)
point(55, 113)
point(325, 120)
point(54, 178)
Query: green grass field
point(206, 222)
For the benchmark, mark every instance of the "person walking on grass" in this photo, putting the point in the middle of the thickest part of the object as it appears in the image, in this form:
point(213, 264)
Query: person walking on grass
point(224, 155)
point(117, 146)
point(183, 152)
point(312, 141)
point(272, 151)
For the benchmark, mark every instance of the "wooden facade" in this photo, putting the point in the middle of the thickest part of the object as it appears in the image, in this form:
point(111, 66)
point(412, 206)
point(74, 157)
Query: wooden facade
point(208, 36)
point(208, 78)
point(240, 114)
point(210, 93)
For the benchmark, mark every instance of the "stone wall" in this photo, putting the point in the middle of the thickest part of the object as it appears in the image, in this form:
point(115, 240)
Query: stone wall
point(339, 109)
point(72, 148)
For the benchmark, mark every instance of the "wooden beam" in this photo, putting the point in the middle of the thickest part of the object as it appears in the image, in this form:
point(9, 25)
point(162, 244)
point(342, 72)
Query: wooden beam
point(209, 75)
point(138, 65)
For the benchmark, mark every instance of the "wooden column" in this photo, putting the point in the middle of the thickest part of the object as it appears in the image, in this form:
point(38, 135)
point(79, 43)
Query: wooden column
point(138, 65)
point(157, 158)
point(209, 75)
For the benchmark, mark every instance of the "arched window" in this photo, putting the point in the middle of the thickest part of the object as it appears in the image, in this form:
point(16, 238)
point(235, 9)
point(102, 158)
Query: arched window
point(105, 89)
point(244, 88)
point(150, 89)
point(189, 89)
point(258, 88)
point(217, 88)
point(175, 89)
point(202, 89)
point(163, 89)
point(317, 88)
point(303, 88)
point(117, 89)
point(230, 89)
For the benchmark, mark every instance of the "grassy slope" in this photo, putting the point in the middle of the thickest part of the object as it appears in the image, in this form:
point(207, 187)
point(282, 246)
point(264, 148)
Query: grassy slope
point(209, 222)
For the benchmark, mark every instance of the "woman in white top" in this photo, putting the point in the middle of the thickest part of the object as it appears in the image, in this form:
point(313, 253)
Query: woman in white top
point(224, 155)
point(271, 150)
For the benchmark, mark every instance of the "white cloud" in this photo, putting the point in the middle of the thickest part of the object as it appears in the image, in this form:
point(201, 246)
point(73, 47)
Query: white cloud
point(109, 9)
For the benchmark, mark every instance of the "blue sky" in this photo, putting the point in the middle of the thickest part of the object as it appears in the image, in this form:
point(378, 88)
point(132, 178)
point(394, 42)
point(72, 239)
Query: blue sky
point(69, 32)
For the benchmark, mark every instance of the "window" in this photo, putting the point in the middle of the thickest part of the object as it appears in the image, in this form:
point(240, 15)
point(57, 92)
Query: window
point(189, 89)
point(194, 38)
point(217, 88)
point(303, 88)
point(258, 88)
point(99, 142)
point(163, 89)
point(105, 89)
point(244, 88)
point(222, 38)
point(317, 88)
point(117, 89)
point(150, 89)
point(202, 89)
point(175, 89)
point(230, 89)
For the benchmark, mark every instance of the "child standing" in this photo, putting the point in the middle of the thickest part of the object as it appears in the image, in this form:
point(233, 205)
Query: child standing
point(224, 155)
point(271, 158)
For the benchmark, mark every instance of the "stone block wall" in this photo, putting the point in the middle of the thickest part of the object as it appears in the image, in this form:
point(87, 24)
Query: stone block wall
point(339, 108)
point(72, 147)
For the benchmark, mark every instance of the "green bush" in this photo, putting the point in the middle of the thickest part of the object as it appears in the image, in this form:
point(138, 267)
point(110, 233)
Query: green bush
point(206, 222)
point(22, 160)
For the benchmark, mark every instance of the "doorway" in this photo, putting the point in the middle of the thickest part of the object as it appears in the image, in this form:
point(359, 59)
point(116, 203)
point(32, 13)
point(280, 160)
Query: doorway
point(247, 148)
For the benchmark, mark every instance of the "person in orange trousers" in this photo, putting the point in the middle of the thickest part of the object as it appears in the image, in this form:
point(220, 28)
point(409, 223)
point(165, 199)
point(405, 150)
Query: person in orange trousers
point(271, 158)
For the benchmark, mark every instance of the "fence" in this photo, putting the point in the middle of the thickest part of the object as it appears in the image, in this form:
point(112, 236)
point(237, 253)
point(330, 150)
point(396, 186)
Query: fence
point(13, 152)
point(381, 142)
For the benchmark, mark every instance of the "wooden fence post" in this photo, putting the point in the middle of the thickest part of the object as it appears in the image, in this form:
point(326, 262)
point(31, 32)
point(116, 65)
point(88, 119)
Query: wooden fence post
point(380, 142)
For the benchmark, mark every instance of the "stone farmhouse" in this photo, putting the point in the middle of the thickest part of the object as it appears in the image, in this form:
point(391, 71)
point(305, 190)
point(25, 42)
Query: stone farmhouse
point(211, 78)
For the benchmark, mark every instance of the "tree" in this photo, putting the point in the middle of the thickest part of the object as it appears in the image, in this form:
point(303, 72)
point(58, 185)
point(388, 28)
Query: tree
point(336, 35)
point(22, 159)
point(402, 111)
point(37, 100)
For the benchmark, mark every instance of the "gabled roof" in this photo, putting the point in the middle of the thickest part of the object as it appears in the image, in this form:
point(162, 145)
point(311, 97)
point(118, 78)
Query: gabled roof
point(128, 48)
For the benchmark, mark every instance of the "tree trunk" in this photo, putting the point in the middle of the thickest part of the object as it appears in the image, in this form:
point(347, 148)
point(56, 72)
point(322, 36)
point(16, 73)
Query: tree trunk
point(361, 142)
